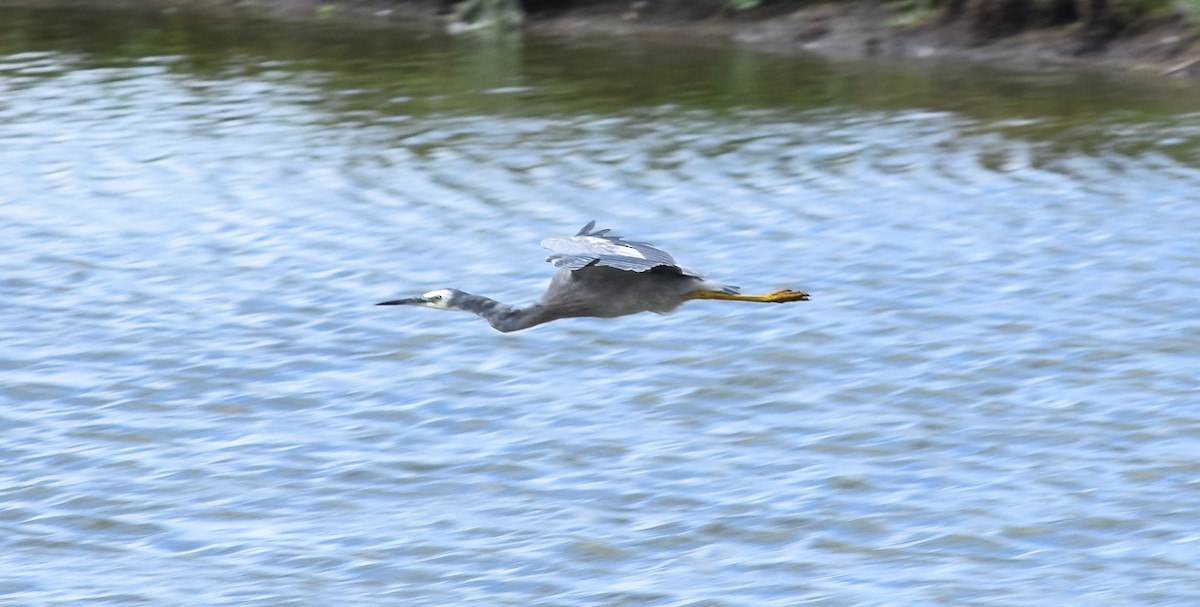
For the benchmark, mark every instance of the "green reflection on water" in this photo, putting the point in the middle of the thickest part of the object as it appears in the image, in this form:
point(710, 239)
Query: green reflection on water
point(366, 71)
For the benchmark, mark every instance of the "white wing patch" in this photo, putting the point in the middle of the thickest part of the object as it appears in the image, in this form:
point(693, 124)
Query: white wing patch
point(600, 248)
point(607, 246)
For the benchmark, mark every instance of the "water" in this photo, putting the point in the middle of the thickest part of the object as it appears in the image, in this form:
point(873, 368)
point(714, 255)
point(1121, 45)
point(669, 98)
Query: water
point(991, 399)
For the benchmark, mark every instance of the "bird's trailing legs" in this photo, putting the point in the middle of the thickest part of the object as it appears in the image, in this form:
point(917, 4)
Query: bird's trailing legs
point(780, 296)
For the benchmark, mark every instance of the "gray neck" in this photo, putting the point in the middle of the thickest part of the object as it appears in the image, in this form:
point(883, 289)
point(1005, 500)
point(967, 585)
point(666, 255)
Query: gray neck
point(503, 317)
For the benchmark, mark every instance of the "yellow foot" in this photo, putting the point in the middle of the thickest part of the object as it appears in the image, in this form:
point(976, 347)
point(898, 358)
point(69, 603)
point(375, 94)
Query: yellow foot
point(785, 295)
point(780, 296)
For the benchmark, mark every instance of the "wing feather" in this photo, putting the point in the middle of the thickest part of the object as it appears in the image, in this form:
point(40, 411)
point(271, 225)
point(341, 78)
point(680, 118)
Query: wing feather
point(601, 248)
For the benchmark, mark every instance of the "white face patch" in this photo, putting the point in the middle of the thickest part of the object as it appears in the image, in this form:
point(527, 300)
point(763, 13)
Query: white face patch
point(438, 299)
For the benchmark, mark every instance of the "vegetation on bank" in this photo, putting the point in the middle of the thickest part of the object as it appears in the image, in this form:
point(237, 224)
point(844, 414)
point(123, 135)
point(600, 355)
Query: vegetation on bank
point(995, 18)
point(986, 18)
point(1165, 33)
point(1161, 35)
point(1190, 8)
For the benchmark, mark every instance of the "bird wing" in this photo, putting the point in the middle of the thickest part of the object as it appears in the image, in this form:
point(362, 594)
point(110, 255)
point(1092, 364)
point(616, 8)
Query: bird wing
point(599, 248)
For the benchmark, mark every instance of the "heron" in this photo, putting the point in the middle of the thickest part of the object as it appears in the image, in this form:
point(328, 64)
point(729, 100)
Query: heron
point(599, 275)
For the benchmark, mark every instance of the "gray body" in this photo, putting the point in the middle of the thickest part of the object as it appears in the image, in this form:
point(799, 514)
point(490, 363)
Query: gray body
point(599, 275)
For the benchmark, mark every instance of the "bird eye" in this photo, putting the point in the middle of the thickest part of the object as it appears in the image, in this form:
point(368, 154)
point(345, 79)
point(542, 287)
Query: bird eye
point(435, 298)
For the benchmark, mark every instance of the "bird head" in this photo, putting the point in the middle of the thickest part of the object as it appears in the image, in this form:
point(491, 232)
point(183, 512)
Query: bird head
point(438, 299)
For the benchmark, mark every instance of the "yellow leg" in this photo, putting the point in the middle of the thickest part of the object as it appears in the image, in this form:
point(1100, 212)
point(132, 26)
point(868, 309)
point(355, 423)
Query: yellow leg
point(780, 296)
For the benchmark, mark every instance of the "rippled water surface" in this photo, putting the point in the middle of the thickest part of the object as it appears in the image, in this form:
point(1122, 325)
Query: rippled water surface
point(991, 400)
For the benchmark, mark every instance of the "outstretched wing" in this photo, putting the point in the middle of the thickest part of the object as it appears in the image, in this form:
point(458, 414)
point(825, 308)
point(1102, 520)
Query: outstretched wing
point(599, 248)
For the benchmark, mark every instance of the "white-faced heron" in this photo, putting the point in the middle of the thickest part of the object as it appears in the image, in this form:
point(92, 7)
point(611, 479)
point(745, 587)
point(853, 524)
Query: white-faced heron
point(601, 275)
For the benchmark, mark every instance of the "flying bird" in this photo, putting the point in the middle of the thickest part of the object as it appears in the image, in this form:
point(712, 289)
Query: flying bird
point(599, 275)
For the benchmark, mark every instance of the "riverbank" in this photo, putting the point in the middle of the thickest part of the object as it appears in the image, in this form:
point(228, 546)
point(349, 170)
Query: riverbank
point(1165, 42)
point(1010, 33)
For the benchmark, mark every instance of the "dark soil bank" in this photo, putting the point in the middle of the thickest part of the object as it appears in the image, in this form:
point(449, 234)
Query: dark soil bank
point(1130, 34)
point(1017, 33)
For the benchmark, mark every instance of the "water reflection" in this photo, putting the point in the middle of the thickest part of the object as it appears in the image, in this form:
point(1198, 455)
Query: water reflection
point(989, 394)
point(377, 69)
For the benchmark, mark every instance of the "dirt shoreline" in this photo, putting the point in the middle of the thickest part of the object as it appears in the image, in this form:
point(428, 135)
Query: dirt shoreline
point(1167, 45)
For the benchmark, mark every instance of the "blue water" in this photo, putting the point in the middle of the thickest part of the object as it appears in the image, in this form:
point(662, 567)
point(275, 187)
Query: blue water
point(992, 398)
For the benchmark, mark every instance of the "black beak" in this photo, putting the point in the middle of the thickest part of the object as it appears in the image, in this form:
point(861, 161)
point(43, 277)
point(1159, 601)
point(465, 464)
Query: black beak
point(407, 301)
